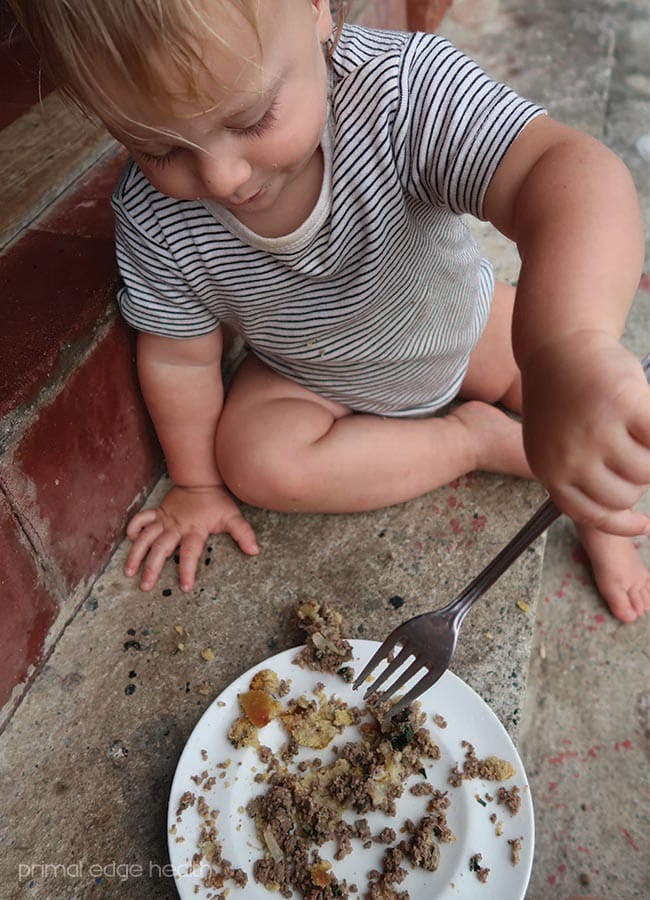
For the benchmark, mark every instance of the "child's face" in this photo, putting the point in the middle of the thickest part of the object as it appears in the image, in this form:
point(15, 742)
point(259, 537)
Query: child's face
point(269, 107)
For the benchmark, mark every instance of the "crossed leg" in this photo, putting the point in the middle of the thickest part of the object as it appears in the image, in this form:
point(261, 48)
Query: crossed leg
point(282, 447)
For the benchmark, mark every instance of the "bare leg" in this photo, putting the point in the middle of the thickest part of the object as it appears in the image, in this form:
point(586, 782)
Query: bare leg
point(282, 447)
point(622, 577)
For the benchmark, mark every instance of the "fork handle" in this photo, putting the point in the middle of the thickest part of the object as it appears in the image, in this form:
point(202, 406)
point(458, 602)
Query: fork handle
point(534, 527)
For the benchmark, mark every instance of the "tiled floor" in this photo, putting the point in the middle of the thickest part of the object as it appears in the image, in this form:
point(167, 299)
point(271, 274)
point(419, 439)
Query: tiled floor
point(76, 446)
point(58, 281)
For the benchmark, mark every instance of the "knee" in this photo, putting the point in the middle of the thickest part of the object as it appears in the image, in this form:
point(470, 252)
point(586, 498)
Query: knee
point(259, 470)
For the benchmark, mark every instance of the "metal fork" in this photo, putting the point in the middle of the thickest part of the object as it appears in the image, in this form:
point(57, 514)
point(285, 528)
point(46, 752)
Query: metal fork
point(431, 637)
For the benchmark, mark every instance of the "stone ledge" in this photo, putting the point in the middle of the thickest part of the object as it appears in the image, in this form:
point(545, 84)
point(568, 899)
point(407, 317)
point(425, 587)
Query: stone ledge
point(59, 748)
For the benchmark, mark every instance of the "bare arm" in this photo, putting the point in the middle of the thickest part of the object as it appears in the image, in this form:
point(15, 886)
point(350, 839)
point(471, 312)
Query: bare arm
point(570, 205)
point(182, 387)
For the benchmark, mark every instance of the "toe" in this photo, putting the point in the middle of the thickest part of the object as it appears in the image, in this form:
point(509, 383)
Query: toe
point(621, 605)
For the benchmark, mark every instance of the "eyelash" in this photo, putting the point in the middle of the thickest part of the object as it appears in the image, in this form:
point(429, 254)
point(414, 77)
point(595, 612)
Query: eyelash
point(160, 161)
point(251, 132)
point(267, 120)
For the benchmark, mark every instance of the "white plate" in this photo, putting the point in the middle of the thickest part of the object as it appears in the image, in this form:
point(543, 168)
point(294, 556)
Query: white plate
point(468, 718)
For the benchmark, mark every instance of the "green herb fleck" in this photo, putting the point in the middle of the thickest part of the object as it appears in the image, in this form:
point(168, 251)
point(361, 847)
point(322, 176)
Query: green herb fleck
point(403, 737)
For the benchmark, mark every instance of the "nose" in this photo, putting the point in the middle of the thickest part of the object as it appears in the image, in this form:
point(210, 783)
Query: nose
point(222, 172)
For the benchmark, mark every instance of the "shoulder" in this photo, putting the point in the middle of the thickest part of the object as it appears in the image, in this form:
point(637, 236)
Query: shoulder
point(365, 72)
point(360, 49)
point(386, 67)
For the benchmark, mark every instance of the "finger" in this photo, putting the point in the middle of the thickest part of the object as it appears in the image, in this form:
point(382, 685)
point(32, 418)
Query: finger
point(191, 550)
point(161, 549)
point(632, 462)
point(585, 511)
point(140, 547)
point(627, 523)
point(640, 425)
point(609, 489)
point(139, 521)
point(242, 533)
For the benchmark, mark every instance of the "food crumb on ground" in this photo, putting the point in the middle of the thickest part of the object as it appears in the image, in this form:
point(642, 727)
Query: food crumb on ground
point(325, 647)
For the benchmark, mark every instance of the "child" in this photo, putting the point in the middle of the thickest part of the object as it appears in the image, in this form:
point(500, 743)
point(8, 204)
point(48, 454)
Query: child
point(306, 188)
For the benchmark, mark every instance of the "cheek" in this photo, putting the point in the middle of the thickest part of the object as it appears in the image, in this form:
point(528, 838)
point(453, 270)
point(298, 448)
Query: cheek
point(174, 181)
point(300, 137)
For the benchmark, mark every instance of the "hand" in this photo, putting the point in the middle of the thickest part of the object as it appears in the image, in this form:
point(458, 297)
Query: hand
point(586, 422)
point(186, 516)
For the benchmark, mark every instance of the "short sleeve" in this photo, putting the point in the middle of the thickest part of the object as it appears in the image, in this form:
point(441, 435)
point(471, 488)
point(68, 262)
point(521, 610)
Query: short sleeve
point(454, 126)
point(155, 296)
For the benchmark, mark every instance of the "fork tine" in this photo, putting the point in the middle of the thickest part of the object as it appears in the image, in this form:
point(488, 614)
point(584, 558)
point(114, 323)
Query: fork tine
point(406, 675)
point(380, 654)
point(390, 669)
point(416, 691)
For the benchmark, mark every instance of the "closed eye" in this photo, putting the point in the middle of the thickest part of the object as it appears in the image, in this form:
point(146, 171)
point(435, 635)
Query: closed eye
point(160, 161)
point(262, 125)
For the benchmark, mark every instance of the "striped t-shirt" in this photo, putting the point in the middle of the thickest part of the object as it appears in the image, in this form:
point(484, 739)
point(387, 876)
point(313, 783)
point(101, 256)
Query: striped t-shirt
point(378, 299)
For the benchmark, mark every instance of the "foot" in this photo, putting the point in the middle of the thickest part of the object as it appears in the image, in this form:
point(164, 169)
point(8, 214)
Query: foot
point(496, 439)
point(622, 577)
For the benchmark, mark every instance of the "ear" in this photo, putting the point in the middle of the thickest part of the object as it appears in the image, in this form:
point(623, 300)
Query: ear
point(323, 17)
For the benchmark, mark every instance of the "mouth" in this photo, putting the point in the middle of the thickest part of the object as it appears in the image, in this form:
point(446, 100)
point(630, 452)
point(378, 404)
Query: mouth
point(249, 199)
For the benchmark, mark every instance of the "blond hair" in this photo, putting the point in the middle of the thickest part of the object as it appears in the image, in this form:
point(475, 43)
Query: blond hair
point(80, 42)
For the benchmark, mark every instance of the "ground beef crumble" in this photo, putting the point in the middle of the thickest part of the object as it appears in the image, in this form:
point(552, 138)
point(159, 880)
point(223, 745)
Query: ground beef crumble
point(302, 804)
point(326, 650)
point(303, 809)
point(511, 798)
point(490, 769)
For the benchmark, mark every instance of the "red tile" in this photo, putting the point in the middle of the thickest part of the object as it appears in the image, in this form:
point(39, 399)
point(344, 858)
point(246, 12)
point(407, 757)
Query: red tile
point(28, 607)
point(55, 288)
point(86, 210)
point(79, 468)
